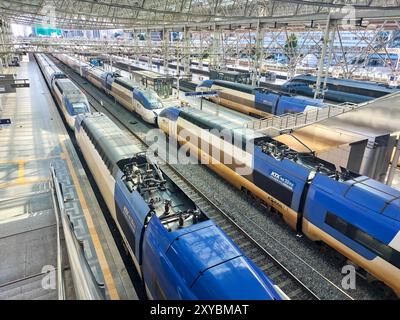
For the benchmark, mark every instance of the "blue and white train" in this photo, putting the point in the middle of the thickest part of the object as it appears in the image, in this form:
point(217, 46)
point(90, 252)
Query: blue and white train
point(145, 102)
point(68, 96)
point(179, 252)
point(356, 215)
point(256, 101)
point(339, 90)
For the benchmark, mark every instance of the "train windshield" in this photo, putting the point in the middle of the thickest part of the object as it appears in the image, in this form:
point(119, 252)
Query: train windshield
point(153, 99)
point(80, 107)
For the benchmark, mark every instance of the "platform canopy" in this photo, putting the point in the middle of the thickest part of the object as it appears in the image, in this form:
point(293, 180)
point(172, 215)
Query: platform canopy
point(110, 14)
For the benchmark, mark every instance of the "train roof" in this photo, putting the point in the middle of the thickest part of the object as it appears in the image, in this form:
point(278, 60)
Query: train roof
point(48, 63)
point(126, 83)
point(368, 85)
point(217, 264)
point(236, 86)
point(308, 160)
point(70, 90)
point(231, 72)
point(108, 138)
point(269, 146)
point(96, 70)
point(210, 121)
point(251, 89)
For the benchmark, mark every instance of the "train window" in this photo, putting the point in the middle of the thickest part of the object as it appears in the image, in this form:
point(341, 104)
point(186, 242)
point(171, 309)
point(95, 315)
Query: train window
point(336, 222)
point(100, 151)
point(59, 88)
point(108, 164)
point(379, 248)
point(124, 84)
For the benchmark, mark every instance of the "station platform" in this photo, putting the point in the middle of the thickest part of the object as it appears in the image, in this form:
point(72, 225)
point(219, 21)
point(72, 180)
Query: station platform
point(35, 140)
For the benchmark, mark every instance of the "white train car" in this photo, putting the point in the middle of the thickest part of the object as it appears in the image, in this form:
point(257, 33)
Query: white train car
point(71, 100)
point(134, 97)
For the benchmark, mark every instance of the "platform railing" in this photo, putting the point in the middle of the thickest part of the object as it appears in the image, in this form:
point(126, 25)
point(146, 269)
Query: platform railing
point(85, 284)
point(290, 121)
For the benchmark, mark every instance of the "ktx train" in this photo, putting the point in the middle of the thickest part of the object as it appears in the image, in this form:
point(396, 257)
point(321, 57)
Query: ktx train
point(145, 102)
point(179, 252)
point(339, 90)
point(256, 101)
point(356, 215)
point(70, 99)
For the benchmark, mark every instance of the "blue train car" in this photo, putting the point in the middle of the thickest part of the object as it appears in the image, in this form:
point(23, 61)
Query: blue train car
point(256, 101)
point(357, 216)
point(339, 90)
point(179, 252)
point(97, 62)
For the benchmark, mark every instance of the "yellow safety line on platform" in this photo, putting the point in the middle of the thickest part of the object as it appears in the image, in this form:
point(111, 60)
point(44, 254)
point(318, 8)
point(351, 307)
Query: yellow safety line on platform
point(6, 161)
point(18, 182)
point(92, 229)
point(21, 180)
point(21, 171)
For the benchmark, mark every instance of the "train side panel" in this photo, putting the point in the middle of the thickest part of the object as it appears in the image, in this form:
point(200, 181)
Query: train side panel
point(123, 96)
point(283, 181)
point(162, 280)
point(130, 214)
point(237, 100)
point(101, 173)
point(360, 233)
point(266, 102)
point(68, 112)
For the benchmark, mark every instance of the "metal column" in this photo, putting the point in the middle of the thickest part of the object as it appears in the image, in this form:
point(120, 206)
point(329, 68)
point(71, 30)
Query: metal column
point(166, 35)
point(136, 43)
point(186, 52)
point(201, 51)
point(150, 55)
point(395, 161)
point(330, 54)
point(322, 58)
point(377, 155)
point(258, 56)
point(215, 61)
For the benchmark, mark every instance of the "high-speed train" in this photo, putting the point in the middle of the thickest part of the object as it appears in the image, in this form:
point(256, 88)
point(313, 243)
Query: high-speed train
point(256, 101)
point(70, 99)
point(339, 90)
point(356, 215)
point(143, 101)
point(179, 252)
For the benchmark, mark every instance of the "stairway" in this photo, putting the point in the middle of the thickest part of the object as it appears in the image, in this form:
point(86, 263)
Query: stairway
point(276, 125)
point(29, 288)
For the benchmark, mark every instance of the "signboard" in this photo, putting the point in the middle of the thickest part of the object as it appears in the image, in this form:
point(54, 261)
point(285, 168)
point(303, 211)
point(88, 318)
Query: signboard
point(5, 123)
point(200, 94)
point(282, 180)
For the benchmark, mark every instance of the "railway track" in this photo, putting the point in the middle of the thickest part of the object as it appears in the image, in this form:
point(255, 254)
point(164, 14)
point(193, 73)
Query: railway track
point(293, 287)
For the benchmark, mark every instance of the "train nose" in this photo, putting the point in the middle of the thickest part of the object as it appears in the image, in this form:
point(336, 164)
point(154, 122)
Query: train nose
point(157, 111)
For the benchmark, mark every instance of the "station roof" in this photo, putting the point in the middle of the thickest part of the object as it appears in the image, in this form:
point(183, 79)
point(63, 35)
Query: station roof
point(112, 14)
